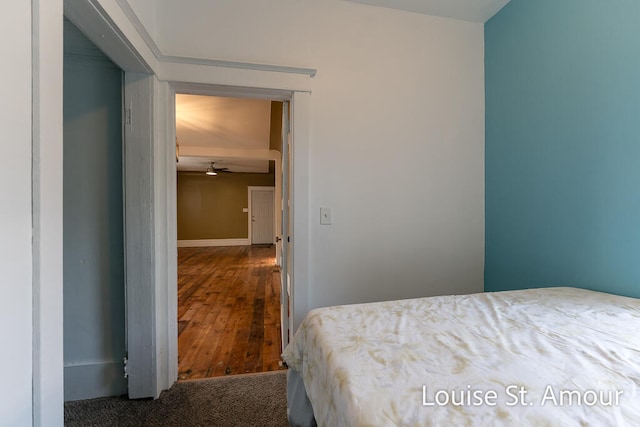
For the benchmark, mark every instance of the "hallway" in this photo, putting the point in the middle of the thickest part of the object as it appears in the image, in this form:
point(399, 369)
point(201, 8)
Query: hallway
point(228, 311)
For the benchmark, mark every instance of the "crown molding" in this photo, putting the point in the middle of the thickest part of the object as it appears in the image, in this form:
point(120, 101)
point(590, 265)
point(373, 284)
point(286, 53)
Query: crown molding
point(148, 39)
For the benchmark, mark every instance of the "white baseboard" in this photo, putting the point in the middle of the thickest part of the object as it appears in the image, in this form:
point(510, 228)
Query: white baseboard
point(91, 380)
point(212, 242)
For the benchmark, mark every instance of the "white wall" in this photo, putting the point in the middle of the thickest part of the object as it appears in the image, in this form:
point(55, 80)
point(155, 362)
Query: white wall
point(15, 217)
point(396, 135)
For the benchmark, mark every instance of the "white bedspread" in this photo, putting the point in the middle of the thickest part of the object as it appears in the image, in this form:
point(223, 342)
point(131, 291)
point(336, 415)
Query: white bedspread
point(555, 356)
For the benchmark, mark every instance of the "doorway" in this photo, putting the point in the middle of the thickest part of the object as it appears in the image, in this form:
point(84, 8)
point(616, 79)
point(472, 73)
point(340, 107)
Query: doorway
point(93, 231)
point(151, 361)
point(229, 286)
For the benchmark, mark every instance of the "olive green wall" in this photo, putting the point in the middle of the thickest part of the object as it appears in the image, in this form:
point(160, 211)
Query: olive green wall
point(275, 137)
point(210, 207)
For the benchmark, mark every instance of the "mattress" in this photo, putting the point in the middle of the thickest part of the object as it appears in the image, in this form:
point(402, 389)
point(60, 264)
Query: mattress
point(553, 356)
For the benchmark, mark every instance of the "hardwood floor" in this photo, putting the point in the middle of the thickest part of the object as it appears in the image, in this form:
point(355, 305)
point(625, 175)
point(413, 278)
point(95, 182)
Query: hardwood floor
point(228, 311)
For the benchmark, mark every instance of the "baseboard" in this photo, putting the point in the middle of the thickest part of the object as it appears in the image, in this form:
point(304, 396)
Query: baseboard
point(212, 242)
point(91, 380)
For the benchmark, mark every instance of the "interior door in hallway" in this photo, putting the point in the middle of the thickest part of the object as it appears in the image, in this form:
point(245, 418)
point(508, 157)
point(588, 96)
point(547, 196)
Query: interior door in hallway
point(262, 216)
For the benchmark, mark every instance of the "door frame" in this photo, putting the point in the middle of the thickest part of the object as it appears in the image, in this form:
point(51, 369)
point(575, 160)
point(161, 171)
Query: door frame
point(119, 37)
point(250, 191)
point(299, 101)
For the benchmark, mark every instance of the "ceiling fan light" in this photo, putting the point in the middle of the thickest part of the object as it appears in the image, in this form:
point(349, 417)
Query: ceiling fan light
point(210, 171)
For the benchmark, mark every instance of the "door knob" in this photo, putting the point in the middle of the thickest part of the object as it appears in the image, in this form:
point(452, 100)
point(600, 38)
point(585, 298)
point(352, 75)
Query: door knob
point(278, 239)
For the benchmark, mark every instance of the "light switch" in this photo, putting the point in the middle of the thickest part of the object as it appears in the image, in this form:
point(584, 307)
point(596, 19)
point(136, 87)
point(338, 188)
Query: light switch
point(245, 210)
point(325, 216)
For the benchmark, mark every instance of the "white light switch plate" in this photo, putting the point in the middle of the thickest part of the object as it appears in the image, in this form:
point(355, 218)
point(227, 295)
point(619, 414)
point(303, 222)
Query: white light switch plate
point(325, 216)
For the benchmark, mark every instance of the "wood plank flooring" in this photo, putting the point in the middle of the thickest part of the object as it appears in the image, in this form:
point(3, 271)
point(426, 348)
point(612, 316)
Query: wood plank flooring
point(228, 311)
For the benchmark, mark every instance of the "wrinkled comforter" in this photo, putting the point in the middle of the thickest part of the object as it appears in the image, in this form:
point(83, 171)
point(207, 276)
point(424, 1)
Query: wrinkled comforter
point(554, 356)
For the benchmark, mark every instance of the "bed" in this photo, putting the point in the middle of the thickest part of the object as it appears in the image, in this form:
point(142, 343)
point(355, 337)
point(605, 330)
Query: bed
point(553, 356)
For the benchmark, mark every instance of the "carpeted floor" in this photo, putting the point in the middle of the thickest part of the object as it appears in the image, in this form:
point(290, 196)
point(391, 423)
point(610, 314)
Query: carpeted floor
point(241, 400)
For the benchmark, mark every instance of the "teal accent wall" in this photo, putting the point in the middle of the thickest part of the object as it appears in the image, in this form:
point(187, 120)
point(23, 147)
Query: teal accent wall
point(563, 145)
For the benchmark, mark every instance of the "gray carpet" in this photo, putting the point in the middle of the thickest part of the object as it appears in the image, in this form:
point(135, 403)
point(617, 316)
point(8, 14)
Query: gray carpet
point(241, 400)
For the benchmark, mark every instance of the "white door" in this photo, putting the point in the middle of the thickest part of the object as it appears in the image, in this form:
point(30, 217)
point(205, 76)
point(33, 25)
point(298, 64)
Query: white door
point(262, 221)
point(285, 239)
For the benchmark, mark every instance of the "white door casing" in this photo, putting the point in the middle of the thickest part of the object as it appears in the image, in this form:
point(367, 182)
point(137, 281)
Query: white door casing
point(140, 266)
point(285, 263)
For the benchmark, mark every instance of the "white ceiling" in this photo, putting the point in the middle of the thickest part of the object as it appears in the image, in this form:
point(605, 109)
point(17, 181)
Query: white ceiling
point(465, 10)
point(223, 123)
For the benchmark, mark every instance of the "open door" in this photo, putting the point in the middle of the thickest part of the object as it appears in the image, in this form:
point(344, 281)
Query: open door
point(285, 239)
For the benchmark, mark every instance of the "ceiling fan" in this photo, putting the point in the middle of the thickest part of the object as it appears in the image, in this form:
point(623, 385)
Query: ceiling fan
point(213, 171)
